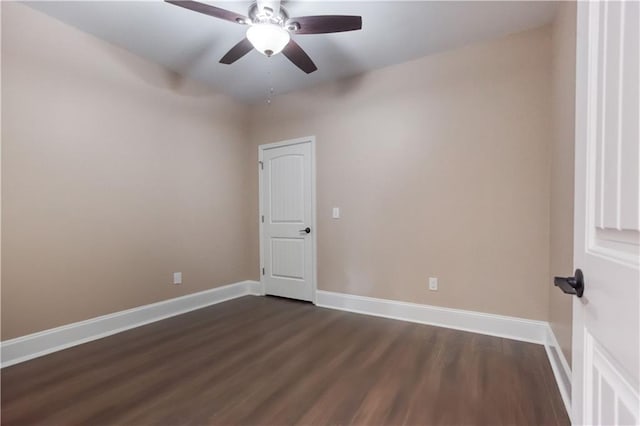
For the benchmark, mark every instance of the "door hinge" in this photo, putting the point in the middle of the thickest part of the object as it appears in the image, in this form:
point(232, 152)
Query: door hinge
point(262, 271)
point(262, 218)
point(261, 165)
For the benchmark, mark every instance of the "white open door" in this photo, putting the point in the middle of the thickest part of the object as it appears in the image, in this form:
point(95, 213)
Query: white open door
point(287, 221)
point(606, 331)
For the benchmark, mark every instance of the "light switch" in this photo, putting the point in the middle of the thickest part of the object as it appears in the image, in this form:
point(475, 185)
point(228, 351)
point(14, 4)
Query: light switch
point(177, 277)
point(336, 212)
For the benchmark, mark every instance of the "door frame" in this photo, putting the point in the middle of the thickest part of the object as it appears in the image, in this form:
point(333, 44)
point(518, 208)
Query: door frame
point(314, 246)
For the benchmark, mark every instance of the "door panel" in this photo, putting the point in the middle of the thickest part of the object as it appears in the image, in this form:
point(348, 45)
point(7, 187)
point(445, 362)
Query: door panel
point(606, 330)
point(286, 185)
point(287, 210)
point(287, 257)
point(611, 398)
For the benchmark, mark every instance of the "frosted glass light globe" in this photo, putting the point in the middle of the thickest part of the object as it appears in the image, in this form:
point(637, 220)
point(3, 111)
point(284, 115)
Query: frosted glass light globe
point(268, 39)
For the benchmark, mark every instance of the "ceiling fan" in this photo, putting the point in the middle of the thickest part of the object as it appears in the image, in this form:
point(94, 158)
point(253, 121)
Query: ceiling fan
point(270, 29)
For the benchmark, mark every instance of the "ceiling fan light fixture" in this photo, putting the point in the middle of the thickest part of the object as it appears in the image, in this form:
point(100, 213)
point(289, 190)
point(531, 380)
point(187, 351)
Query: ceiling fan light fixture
point(268, 39)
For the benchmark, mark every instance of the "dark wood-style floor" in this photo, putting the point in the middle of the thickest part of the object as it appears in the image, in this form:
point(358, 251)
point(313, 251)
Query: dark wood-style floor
point(263, 360)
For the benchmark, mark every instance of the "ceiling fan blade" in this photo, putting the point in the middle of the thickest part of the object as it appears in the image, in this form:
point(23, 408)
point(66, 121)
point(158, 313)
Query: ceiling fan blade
point(323, 24)
point(299, 57)
point(216, 12)
point(237, 52)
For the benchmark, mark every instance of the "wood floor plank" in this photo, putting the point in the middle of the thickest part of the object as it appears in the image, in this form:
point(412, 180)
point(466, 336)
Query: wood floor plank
point(265, 360)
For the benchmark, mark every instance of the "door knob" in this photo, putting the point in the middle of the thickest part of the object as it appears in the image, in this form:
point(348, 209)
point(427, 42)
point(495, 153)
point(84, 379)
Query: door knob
point(571, 285)
point(307, 230)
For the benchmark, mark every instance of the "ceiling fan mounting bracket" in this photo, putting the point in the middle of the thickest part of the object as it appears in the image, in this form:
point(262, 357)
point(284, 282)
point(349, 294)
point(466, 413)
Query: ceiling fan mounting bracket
point(292, 26)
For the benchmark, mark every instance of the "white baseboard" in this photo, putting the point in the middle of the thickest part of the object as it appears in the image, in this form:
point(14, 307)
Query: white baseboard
point(560, 367)
point(255, 288)
point(476, 322)
point(34, 345)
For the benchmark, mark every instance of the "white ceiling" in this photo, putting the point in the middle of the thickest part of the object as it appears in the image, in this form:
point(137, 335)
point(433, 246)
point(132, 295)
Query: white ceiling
point(191, 43)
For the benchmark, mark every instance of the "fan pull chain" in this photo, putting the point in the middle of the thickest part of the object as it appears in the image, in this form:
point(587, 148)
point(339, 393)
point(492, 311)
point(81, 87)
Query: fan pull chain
point(270, 95)
point(270, 81)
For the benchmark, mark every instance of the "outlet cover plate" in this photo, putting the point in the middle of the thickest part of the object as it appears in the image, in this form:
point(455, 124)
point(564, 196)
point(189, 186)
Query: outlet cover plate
point(433, 283)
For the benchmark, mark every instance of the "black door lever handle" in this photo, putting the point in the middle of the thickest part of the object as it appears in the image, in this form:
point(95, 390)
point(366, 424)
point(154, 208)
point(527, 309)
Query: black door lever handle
point(571, 285)
point(307, 230)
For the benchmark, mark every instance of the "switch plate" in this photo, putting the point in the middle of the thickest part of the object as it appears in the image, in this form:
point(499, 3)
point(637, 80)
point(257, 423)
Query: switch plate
point(336, 213)
point(177, 277)
point(433, 283)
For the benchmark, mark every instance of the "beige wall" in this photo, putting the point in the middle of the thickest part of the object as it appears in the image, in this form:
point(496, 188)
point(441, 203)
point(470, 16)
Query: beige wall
point(440, 167)
point(115, 174)
point(562, 161)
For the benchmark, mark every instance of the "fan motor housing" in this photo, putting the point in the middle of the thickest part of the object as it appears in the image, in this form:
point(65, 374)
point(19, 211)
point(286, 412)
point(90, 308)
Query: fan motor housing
point(266, 15)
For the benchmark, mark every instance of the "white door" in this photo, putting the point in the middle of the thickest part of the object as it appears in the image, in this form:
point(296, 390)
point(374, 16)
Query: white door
point(287, 236)
point(606, 332)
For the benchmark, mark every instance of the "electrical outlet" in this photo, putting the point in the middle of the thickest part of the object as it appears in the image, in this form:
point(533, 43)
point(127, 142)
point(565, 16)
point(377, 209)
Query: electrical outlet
point(433, 283)
point(335, 213)
point(177, 277)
